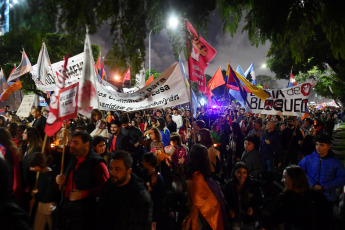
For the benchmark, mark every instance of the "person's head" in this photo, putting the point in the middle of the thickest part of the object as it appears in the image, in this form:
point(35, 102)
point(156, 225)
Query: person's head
point(188, 113)
point(96, 114)
point(290, 122)
point(204, 137)
point(140, 119)
point(135, 123)
point(199, 161)
point(99, 145)
point(323, 144)
point(277, 118)
point(199, 124)
point(115, 127)
point(149, 160)
point(159, 113)
point(175, 139)
point(80, 144)
point(2, 121)
point(20, 131)
point(186, 123)
point(271, 125)
point(294, 178)
point(169, 118)
point(109, 113)
point(160, 123)
point(249, 143)
point(36, 113)
point(215, 126)
point(137, 114)
point(32, 136)
point(153, 120)
point(175, 111)
point(121, 168)
point(257, 124)
point(6, 139)
point(155, 135)
point(12, 127)
point(7, 108)
point(235, 128)
point(125, 122)
point(240, 172)
point(307, 121)
point(38, 161)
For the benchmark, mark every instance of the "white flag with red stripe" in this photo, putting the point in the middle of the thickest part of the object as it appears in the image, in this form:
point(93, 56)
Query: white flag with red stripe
point(88, 98)
point(23, 68)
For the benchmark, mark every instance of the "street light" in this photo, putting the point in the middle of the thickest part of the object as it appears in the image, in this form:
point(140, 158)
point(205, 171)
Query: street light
point(172, 24)
point(264, 66)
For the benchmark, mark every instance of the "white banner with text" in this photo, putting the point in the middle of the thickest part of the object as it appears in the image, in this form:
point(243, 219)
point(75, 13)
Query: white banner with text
point(289, 101)
point(167, 90)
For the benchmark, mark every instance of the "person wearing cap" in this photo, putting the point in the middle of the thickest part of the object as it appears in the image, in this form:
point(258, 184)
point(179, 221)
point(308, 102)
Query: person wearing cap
point(323, 170)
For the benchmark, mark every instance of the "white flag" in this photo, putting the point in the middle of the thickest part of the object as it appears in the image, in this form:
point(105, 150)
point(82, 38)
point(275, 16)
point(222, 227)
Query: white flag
point(23, 68)
point(44, 65)
point(88, 98)
point(3, 81)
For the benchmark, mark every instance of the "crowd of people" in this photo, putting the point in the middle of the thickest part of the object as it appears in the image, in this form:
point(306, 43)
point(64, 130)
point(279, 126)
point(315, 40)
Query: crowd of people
point(165, 169)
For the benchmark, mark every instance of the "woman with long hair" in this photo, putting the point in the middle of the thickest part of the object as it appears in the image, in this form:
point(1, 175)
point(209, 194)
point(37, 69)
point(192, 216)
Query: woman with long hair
point(101, 128)
point(243, 197)
point(236, 141)
point(204, 138)
point(165, 133)
point(10, 152)
point(205, 200)
point(2, 121)
point(299, 206)
point(33, 144)
point(185, 132)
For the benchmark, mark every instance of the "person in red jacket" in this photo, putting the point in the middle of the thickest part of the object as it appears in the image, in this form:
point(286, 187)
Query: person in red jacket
point(83, 180)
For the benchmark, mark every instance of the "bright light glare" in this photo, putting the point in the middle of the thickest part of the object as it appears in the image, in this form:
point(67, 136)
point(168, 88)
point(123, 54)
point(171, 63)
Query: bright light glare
point(172, 22)
point(202, 101)
point(117, 78)
point(264, 66)
point(15, 1)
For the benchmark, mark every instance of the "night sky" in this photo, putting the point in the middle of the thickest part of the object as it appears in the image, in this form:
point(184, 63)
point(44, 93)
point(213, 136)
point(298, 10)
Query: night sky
point(237, 49)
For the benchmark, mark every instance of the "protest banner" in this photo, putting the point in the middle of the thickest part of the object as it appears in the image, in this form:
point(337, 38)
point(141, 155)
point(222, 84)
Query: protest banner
point(74, 73)
point(68, 99)
point(167, 90)
point(26, 105)
point(289, 101)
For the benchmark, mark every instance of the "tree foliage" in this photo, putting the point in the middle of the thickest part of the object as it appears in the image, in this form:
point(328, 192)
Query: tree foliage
point(58, 46)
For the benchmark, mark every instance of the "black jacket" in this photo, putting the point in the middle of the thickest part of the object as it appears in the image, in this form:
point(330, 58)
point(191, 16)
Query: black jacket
point(127, 207)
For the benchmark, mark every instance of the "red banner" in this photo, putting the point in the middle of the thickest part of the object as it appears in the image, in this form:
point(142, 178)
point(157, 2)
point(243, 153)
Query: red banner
point(200, 55)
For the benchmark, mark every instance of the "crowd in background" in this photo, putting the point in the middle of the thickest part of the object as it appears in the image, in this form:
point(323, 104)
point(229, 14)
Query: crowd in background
point(165, 169)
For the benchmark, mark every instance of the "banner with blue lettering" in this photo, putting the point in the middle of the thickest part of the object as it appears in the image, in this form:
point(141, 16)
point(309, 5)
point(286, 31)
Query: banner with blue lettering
point(289, 101)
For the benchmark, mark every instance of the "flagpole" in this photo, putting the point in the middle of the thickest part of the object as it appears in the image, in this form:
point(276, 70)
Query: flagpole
point(63, 151)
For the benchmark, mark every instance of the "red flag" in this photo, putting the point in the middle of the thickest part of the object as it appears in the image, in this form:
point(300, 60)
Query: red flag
point(127, 75)
point(149, 80)
point(54, 123)
point(216, 80)
point(265, 87)
point(200, 54)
